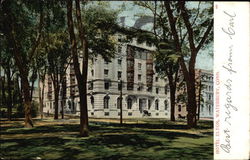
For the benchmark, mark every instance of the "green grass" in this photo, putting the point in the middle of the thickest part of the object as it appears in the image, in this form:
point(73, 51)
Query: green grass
point(150, 140)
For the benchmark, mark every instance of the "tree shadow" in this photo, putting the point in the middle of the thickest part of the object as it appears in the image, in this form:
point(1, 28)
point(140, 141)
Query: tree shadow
point(106, 141)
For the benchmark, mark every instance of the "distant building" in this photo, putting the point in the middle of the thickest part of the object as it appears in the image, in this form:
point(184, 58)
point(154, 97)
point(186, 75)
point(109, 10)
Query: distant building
point(204, 95)
point(142, 89)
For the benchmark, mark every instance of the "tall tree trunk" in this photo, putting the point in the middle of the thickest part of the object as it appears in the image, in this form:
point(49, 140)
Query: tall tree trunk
point(81, 78)
point(9, 100)
point(22, 66)
point(41, 92)
point(62, 108)
point(27, 102)
point(192, 105)
point(3, 91)
point(83, 110)
point(63, 90)
point(56, 98)
point(32, 90)
point(172, 87)
point(1, 95)
point(199, 100)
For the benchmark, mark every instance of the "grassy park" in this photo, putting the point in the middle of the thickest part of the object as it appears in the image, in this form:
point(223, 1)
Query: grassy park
point(135, 139)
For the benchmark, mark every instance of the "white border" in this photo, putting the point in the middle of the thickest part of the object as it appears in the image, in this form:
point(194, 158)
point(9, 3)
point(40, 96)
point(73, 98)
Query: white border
point(231, 80)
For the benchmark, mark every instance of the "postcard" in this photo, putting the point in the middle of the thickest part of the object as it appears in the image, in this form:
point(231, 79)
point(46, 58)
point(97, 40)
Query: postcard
point(113, 80)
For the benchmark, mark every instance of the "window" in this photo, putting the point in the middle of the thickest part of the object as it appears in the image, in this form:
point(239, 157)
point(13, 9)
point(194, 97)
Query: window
point(209, 109)
point(92, 101)
point(118, 103)
point(139, 66)
point(139, 77)
point(209, 97)
point(156, 90)
point(119, 86)
point(141, 105)
point(179, 108)
point(106, 72)
point(129, 113)
point(119, 49)
point(129, 101)
point(91, 85)
point(106, 113)
point(157, 104)
point(149, 104)
point(106, 84)
point(106, 102)
point(139, 88)
point(92, 72)
point(166, 104)
point(202, 108)
point(119, 61)
point(106, 62)
point(156, 79)
point(166, 89)
point(149, 89)
point(119, 74)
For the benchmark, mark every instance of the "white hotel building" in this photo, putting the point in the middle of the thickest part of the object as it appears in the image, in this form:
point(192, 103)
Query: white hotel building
point(142, 88)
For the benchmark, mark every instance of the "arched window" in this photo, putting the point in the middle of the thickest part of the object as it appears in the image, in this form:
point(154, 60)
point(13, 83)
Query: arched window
point(118, 102)
point(209, 109)
point(129, 101)
point(92, 101)
point(106, 101)
point(166, 104)
point(157, 104)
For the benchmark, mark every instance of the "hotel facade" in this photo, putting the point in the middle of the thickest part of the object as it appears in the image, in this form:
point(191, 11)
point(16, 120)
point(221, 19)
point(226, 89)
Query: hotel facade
point(131, 73)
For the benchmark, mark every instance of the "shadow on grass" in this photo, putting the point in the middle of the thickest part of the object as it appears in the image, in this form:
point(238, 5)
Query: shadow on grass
point(106, 141)
point(126, 146)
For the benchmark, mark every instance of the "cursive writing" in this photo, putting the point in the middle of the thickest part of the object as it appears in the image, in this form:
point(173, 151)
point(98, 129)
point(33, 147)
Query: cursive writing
point(230, 28)
point(229, 106)
point(229, 65)
point(227, 146)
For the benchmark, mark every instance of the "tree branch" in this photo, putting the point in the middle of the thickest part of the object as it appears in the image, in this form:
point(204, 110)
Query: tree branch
point(39, 35)
point(176, 38)
point(188, 25)
point(204, 37)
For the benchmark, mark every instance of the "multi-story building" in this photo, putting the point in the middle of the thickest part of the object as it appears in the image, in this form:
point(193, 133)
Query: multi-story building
point(204, 95)
point(206, 100)
point(131, 71)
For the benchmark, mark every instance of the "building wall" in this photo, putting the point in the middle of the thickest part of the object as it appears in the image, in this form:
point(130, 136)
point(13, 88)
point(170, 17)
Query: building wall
point(97, 78)
point(204, 94)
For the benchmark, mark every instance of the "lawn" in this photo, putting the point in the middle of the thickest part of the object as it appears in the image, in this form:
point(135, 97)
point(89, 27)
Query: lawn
point(137, 139)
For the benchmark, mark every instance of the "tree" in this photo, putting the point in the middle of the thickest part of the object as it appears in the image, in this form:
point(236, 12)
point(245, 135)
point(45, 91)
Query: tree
point(9, 69)
point(100, 20)
point(189, 28)
point(57, 62)
point(198, 27)
point(165, 57)
point(23, 47)
point(167, 65)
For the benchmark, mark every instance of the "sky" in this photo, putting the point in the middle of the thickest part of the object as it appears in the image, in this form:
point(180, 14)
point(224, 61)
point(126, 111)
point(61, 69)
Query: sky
point(204, 59)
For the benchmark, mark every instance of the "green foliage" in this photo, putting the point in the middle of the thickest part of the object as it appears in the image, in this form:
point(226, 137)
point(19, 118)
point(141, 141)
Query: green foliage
point(100, 23)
